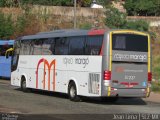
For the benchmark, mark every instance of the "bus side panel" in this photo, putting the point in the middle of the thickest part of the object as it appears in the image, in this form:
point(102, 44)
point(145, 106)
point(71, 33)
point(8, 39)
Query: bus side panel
point(16, 78)
point(53, 73)
point(86, 72)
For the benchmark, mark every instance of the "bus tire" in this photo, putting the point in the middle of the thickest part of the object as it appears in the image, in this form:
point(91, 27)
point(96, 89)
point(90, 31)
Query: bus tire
point(72, 92)
point(23, 85)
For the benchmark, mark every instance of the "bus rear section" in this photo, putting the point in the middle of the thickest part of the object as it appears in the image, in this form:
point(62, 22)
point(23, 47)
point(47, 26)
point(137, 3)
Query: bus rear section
point(129, 69)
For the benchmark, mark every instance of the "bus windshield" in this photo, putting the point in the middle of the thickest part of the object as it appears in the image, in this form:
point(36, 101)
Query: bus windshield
point(130, 42)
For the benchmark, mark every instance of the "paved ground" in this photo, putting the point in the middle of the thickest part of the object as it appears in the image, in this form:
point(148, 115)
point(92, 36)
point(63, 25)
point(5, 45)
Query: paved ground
point(13, 100)
point(154, 97)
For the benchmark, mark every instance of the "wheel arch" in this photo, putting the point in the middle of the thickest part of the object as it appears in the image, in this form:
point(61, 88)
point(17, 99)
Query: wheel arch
point(76, 83)
point(24, 76)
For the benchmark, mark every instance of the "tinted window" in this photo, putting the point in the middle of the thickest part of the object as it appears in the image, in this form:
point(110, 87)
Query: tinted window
point(15, 57)
point(37, 47)
point(93, 45)
point(130, 42)
point(25, 47)
point(61, 46)
point(48, 46)
point(76, 45)
point(17, 47)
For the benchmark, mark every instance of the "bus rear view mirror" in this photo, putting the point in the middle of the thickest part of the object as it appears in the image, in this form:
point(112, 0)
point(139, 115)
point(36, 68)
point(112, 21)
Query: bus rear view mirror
point(8, 52)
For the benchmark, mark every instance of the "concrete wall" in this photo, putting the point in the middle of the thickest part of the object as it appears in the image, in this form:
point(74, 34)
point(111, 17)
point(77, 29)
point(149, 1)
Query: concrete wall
point(66, 14)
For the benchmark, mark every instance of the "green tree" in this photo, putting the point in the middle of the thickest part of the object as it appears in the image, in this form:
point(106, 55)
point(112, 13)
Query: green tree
point(157, 7)
point(145, 7)
point(86, 3)
point(130, 7)
point(115, 19)
point(48, 2)
point(6, 26)
point(142, 7)
point(2, 3)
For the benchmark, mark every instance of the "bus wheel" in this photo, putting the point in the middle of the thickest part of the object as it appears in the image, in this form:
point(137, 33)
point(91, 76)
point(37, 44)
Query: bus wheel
point(72, 92)
point(23, 85)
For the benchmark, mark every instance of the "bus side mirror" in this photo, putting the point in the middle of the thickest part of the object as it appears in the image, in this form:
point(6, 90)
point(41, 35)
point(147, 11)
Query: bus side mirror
point(8, 52)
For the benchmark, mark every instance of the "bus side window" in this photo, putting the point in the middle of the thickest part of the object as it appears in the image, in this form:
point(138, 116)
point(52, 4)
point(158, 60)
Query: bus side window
point(25, 47)
point(61, 46)
point(93, 45)
point(76, 45)
point(37, 47)
point(48, 46)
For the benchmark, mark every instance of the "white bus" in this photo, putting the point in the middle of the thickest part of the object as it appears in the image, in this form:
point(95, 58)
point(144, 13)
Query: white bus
point(92, 63)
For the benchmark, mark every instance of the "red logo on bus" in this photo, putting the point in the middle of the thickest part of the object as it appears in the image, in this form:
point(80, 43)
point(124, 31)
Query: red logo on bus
point(46, 63)
point(119, 69)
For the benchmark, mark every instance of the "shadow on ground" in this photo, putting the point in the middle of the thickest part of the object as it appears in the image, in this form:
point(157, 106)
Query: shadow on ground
point(93, 100)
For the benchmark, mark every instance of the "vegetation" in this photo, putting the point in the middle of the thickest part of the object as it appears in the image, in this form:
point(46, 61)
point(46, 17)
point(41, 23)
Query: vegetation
point(156, 55)
point(156, 86)
point(6, 26)
point(84, 3)
point(11, 28)
point(117, 19)
point(139, 25)
point(86, 26)
point(142, 7)
point(9, 3)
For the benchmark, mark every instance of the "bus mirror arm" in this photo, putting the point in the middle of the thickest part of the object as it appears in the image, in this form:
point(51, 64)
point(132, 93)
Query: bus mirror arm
point(7, 55)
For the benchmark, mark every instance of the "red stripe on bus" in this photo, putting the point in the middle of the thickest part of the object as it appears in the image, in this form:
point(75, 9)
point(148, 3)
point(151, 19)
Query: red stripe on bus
point(40, 61)
point(134, 83)
point(96, 32)
point(124, 83)
point(44, 74)
point(54, 73)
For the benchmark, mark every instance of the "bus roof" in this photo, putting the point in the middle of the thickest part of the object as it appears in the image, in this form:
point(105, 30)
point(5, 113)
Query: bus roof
point(6, 42)
point(64, 33)
point(77, 32)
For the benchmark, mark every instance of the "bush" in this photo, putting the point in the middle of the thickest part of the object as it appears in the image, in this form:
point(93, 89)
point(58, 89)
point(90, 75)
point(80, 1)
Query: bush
point(117, 20)
point(6, 26)
point(139, 25)
point(86, 26)
point(48, 2)
point(156, 86)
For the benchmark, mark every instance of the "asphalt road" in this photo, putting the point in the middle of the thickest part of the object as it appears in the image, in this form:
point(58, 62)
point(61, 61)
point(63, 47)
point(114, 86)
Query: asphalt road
point(12, 100)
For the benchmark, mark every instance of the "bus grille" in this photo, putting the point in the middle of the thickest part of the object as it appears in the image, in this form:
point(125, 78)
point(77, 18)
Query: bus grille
point(93, 83)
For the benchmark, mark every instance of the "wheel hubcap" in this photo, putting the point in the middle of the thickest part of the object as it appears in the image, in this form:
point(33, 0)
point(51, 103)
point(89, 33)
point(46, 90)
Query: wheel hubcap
point(24, 84)
point(72, 92)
